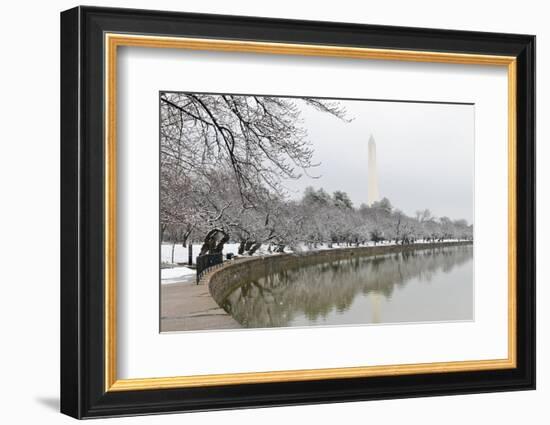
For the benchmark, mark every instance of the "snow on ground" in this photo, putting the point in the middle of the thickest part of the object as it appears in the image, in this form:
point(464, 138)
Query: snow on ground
point(182, 274)
point(177, 275)
point(180, 253)
point(176, 272)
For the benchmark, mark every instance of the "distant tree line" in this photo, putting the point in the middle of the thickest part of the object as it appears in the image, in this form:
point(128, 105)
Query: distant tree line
point(318, 218)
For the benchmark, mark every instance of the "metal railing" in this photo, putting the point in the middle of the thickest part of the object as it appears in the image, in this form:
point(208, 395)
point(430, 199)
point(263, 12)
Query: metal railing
point(207, 262)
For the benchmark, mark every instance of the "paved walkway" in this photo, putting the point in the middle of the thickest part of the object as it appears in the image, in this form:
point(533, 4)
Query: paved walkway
point(187, 306)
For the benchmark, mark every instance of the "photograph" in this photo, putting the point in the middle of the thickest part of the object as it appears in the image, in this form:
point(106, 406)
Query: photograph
point(299, 211)
point(285, 210)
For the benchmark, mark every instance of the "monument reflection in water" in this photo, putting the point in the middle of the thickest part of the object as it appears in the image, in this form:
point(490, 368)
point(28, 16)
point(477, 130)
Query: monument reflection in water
point(414, 286)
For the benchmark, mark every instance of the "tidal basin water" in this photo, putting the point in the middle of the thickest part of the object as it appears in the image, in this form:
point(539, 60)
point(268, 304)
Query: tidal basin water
point(414, 286)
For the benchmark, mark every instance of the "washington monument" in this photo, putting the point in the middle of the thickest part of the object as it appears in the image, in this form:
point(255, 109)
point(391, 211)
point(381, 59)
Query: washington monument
point(373, 195)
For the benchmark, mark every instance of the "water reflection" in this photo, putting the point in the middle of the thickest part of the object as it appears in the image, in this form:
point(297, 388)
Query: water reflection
point(423, 285)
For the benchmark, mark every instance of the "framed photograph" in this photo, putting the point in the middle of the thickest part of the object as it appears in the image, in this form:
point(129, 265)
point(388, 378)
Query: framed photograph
point(261, 212)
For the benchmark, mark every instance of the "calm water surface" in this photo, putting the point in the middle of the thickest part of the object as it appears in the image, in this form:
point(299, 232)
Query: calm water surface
point(416, 286)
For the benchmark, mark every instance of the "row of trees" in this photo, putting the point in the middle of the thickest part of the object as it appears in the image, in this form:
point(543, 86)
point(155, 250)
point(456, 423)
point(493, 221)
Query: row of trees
point(335, 220)
point(224, 161)
point(318, 218)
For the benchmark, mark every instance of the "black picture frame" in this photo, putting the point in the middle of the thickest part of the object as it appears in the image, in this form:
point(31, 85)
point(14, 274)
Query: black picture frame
point(83, 392)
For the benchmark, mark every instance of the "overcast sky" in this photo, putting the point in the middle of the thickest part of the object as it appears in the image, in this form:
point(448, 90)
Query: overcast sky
point(425, 154)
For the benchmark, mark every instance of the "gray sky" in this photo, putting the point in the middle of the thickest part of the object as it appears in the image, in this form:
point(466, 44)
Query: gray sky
point(425, 155)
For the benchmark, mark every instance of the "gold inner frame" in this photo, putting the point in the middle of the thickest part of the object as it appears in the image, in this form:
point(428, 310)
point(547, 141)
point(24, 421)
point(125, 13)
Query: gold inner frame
point(113, 41)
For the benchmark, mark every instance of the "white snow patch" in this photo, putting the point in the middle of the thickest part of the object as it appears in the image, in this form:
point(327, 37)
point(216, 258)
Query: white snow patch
point(177, 275)
point(181, 253)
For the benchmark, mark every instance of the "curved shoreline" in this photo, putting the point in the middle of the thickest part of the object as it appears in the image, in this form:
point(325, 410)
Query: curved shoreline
point(231, 274)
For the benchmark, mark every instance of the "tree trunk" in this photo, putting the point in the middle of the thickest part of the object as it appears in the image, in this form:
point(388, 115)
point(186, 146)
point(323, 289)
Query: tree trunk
point(211, 244)
point(241, 247)
point(248, 245)
point(173, 249)
point(254, 248)
point(218, 249)
point(190, 254)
